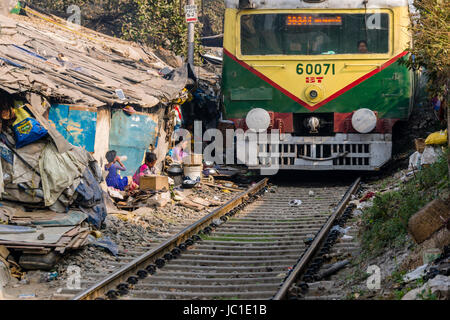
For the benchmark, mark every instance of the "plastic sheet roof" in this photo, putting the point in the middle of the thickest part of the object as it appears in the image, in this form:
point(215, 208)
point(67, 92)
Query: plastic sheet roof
point(48, 56)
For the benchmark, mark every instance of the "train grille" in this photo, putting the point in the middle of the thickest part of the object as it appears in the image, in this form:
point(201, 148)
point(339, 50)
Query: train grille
point(357, 154)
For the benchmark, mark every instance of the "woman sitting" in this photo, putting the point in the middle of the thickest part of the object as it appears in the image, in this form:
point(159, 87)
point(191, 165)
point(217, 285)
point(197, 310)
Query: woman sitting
point(114, 165)
point(147, 169)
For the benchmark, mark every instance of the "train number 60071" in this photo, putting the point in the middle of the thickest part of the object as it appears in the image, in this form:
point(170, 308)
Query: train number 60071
point(317, 69)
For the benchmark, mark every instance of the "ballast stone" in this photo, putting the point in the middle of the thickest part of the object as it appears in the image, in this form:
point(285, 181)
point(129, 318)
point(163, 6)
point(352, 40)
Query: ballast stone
point(438, 286)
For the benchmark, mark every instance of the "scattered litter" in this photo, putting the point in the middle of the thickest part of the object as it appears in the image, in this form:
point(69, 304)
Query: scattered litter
point(5, 275)
point(429, 255)
point(416, 273)
point(367, 196)
point(333, 269)
point(177, 198)
point(415, 161)
point(340, 229)
point(160, 199)
point(97, 234)
point(311, 193)
point(439, 137)
point(430, 155)
point(363, 205)
point(346, 237)
point(309, 239)
point(295, 203)
point(357, 212)
point(50, 276)
point(114, 193)
point(27, 296)
point(108, 244)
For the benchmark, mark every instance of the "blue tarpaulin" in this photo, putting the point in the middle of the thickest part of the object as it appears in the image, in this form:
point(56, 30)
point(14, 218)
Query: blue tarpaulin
point(75, 123)
point(108, 244)
point(90, 199)
point(131, 135)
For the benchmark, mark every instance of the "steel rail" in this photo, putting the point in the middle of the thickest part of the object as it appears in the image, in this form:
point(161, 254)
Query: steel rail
point(101, 288)
point(315, 245)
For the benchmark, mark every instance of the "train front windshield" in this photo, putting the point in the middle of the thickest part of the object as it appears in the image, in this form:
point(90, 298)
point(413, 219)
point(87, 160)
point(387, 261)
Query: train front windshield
point(314, 34)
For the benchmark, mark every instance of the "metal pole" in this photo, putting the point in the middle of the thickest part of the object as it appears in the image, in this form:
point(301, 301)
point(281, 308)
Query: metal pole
point(191, 33)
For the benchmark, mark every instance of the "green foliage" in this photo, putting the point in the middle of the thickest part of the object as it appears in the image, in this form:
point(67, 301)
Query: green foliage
point(431, 43)
point(427, 295)
point(156, 22)
point(398, 294)
point(397, 276)
point(153, 22)
point(385, 223)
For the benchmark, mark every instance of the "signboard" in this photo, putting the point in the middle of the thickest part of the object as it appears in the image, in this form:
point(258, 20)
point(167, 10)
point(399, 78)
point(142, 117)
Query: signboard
point(191, 13)
point(309, 20)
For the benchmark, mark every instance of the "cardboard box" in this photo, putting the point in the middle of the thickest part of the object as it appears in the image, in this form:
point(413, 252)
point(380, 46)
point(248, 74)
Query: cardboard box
point(154, 183)
point(420, 145)
point(4, 253)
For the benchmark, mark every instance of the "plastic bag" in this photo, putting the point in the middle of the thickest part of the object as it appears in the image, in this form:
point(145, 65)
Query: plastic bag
point(439, 137)
point(27, 129)
point(340, 229)
point(295, 203)
point(415, 161)
point(430, 155)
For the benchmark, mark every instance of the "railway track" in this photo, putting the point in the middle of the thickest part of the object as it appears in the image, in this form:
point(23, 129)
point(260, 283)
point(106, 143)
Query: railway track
point(253, 247)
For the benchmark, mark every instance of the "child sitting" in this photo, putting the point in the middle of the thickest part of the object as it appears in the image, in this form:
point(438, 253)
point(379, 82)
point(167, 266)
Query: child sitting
point(147, 169)
point(114, 164)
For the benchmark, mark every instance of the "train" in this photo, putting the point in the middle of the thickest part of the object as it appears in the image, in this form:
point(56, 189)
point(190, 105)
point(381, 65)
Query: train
point(328, 75)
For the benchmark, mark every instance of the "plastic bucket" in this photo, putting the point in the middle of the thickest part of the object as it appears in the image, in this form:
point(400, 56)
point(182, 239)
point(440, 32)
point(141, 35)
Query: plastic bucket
point(193, 159)
point(193, 172)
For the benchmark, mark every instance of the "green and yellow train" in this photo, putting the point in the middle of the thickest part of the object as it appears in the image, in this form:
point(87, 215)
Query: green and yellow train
point(327, 73)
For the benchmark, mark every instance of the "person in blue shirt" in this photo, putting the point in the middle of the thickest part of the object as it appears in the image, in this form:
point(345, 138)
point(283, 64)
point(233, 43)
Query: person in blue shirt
point(114, 165)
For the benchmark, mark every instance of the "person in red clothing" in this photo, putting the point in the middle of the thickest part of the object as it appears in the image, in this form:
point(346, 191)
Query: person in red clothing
point(147, 169)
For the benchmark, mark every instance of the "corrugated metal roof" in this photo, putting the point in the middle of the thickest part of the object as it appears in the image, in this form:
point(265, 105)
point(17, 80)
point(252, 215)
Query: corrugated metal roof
point(49, 56)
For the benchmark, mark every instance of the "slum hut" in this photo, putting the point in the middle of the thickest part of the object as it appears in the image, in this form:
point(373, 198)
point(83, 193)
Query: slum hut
point(81, 80)
point(82, 93)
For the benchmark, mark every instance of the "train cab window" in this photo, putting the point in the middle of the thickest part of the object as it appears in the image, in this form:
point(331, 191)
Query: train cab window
point(314, 34)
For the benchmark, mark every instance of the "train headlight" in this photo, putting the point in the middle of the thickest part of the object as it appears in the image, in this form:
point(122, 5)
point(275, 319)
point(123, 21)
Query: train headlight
point(258, 119)
point(364, 120)
point(313, 124)
point(313, 93)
